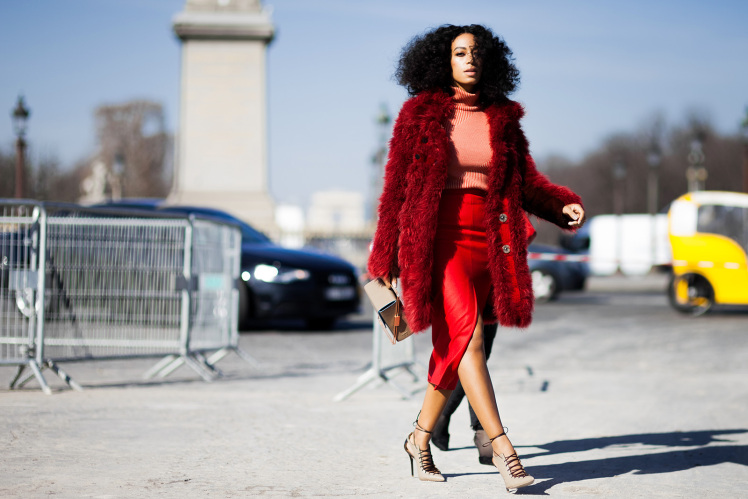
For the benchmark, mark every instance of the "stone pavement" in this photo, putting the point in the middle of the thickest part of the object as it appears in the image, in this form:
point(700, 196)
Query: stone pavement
point(608, 394)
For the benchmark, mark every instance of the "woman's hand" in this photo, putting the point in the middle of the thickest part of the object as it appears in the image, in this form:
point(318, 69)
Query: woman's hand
point(388, 280)
point(576, 213)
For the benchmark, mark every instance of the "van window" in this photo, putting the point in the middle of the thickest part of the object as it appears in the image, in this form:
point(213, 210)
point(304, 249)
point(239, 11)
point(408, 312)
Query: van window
point(728, 221)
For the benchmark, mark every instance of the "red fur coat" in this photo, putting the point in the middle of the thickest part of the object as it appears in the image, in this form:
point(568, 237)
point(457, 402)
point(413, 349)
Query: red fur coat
point(415, 176)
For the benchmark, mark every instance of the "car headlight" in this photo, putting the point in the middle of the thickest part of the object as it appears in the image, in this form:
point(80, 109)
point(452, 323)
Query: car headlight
point(270, 273)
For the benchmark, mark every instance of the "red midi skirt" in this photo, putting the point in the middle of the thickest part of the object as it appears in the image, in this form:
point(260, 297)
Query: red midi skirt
point(461, 281)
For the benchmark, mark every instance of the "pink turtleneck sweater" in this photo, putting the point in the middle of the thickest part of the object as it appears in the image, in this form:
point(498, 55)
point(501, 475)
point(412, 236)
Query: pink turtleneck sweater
point(469, 144)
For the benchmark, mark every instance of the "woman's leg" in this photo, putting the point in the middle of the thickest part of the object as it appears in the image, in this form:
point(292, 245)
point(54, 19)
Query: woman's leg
point(477, 384)
point(440, 435)
point(489, 334)
point(441, 430)
point(433, 405)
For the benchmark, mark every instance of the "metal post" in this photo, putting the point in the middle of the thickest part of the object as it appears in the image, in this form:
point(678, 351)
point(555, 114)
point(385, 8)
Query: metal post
point(20, 157)
point(653, 159)
point(41, 284)
point(187, 356)
point(745, 167)
point(184, 323)
point(696, 173)
point(379, 159)
point(744, 129)
point(619, 180)
point(38, 304)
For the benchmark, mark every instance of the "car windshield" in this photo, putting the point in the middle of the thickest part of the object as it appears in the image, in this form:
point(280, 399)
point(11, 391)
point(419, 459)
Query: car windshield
point(249, 233)
point(728, 221)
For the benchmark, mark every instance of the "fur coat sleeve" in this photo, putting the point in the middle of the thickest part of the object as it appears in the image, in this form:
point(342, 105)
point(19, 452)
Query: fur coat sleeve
point(383, 260)
point(541, 197)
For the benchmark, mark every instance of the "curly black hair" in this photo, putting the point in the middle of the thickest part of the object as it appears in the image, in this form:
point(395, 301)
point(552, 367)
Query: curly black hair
point(425, 62)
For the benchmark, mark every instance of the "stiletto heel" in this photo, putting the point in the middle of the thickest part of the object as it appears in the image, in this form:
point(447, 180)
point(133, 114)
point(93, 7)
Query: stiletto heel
point(510, 468)
point(426, 469)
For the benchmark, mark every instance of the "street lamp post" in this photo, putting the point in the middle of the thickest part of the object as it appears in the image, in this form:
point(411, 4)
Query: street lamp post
point(619, 180)
point(20, 117)
point(654, 158)
point(619, 177)
point(116, 174)
point(744, 129)
point(696, 173)
point(379, 159)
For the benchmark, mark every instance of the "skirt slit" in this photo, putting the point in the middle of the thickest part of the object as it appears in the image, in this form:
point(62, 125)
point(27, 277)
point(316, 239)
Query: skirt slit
point(461, 281)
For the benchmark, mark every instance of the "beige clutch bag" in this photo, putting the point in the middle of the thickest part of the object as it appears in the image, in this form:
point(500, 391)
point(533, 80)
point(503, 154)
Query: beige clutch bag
point(389, 310)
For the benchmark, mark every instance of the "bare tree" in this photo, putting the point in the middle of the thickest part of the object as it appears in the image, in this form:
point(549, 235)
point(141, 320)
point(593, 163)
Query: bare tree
point(133, 145)
point(7, 174)
point(620, 167)
point(44, 179)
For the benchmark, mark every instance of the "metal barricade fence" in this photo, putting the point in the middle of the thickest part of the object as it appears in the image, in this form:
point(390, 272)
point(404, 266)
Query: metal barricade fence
point(18, 222)
point(387, 362)
point(214, 263)
point(116, 285)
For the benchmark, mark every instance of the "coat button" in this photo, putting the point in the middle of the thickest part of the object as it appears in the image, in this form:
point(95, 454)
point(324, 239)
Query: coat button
point(506, 248)
point(424, 140)
point(503, 218)
point(418, 156)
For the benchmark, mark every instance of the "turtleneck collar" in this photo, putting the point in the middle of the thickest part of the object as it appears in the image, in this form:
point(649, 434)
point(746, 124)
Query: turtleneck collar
point(464, 99)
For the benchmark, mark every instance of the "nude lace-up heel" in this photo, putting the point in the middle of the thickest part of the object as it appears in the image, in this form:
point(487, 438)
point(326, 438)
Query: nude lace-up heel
point(426, 469)
point(511, 468)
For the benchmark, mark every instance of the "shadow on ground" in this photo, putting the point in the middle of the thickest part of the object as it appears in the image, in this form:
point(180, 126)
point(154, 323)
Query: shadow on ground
point(644, 464)
point(270, 326)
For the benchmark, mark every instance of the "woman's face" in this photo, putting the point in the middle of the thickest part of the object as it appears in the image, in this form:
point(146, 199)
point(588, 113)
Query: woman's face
point(466, 68)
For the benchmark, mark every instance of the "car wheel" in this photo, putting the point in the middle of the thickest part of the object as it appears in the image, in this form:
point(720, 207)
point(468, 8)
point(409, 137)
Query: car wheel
point(245, 306)
point(544, 286)
point(320, 323)
point(691, 294)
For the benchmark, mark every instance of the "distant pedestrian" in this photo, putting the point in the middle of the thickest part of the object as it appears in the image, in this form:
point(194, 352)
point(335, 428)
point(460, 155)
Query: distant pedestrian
point(452, 225)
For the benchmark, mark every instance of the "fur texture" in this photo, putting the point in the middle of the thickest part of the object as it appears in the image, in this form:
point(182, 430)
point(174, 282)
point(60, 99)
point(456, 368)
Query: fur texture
point(415, 176)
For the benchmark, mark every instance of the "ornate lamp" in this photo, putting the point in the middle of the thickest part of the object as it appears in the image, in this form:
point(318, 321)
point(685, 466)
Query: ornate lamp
point(20, 117)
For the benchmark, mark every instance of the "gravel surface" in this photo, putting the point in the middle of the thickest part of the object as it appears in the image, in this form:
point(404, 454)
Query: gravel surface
point(609, 394)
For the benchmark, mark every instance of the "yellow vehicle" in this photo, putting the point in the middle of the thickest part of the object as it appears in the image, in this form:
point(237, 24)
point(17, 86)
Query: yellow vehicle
point(709, 238)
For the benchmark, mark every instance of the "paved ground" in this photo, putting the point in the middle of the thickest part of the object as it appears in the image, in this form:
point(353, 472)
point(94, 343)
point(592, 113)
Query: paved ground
point(608, 394)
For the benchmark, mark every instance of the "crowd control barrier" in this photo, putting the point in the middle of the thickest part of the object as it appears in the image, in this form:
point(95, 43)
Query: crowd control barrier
point(82, 284)
point(388, 361)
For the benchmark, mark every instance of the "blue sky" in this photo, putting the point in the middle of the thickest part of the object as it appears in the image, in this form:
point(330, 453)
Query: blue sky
point(589, 69)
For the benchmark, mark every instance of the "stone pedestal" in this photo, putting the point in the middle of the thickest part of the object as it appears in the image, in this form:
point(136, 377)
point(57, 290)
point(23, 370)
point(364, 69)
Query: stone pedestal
point(222, 140)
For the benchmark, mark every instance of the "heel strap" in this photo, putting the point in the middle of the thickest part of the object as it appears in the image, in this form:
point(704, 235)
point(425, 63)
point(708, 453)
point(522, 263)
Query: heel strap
point(419, 427)
point(490, 440)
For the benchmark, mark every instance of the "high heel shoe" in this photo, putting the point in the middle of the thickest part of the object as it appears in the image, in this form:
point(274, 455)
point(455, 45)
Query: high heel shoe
point(440, 435)
point(426, 469)
point(511, 469)
point(483, 444)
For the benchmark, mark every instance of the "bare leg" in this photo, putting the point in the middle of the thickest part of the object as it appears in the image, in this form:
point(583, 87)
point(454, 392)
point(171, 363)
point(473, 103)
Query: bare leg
point(479, 390)
point(433, 404)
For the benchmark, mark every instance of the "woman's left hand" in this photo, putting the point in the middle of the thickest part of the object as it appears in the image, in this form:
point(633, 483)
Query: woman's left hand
point(576, 213)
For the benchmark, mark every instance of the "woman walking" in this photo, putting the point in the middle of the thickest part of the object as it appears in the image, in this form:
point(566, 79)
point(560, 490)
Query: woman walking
point(452, 226)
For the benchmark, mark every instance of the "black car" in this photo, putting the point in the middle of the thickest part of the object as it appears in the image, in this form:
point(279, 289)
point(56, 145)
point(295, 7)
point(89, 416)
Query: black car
point(279, 282)
point(552, 272)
